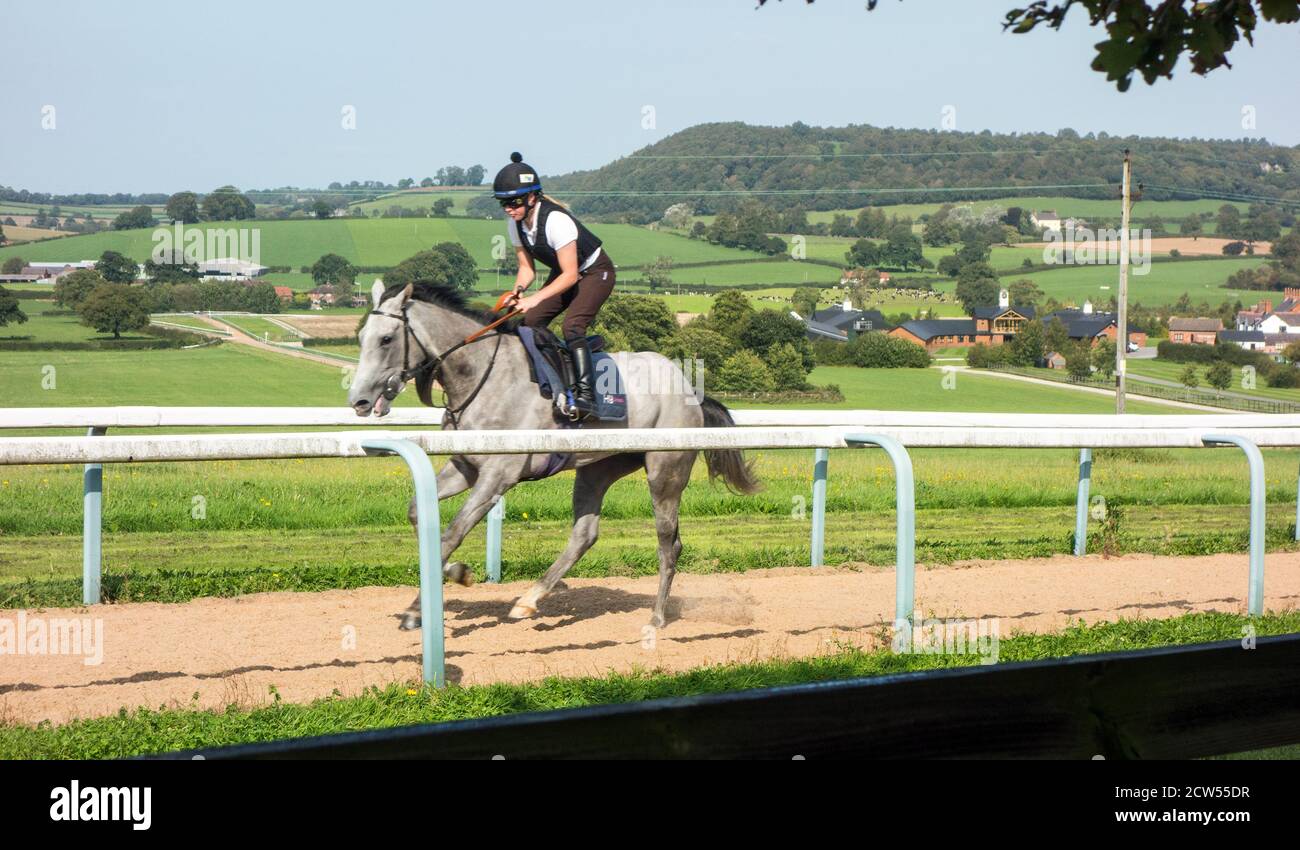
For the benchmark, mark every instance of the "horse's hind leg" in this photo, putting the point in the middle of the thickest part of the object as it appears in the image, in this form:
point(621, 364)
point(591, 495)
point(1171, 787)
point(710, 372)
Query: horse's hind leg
point(668, 473)
point(589, 487)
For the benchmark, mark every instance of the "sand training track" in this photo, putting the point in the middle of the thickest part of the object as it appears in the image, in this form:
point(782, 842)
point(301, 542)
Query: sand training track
point(308, 645)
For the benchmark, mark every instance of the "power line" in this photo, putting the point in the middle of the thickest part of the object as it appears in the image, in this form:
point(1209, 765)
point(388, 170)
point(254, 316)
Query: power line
point(1214, 194)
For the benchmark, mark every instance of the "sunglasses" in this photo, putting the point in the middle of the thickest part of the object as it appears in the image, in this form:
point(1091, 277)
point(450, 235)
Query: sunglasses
point(512, 203)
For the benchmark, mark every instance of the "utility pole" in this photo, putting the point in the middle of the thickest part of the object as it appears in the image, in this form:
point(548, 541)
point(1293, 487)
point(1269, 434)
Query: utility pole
point(1121, 335)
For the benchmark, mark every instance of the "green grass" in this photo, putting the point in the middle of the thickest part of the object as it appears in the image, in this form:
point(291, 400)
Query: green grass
point(149, 731)
point(423, 199)
point(45, 328)
point(224, 375)
point(260, 328)
point(380, 242)
point(924, 389)
point(1171, 371)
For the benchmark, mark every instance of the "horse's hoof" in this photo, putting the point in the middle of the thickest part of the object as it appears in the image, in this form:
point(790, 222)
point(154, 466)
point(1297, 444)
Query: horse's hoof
point(658, 621)
point(459, 573)
point(522, 611)
point(410, 622)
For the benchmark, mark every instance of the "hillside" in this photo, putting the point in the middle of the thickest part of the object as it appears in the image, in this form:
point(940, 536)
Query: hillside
point(822, 168)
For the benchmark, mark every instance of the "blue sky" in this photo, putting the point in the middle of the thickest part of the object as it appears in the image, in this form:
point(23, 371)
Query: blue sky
point(164, 97)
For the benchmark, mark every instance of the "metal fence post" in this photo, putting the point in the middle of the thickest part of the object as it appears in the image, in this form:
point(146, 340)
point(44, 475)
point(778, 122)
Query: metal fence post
point(430, 540)
point(905, 505)
point(1255, 593)
point(92, 527)
point(1081, 503)
point(820, 459)
point(494, 519)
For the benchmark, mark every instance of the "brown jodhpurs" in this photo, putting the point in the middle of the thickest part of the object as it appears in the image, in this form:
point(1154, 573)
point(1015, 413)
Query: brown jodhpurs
point(579, 302)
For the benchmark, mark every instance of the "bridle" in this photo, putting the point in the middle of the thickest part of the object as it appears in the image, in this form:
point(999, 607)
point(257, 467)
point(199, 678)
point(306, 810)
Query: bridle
point(432, 364)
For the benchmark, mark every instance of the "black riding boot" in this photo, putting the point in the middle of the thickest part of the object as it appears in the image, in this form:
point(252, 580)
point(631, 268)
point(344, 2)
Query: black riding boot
point(583, 387)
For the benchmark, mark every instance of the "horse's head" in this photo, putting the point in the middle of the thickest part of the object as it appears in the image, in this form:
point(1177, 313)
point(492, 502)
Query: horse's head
point(379, 376)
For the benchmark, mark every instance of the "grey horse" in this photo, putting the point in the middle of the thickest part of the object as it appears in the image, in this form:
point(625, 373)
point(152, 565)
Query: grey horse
point(418, 332)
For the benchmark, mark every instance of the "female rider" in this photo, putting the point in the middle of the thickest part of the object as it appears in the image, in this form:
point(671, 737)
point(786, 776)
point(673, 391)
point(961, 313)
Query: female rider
point(581, 276)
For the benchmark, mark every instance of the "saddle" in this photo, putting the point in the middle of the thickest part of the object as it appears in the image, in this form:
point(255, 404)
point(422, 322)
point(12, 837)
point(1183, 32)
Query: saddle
point(551, 368)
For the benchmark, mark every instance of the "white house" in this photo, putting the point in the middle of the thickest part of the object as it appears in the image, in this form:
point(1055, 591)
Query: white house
point(1279, 323)
point(1047, 220)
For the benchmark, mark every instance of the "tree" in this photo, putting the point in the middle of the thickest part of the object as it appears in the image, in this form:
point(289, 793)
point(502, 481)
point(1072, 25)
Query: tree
point(768, 329)
point(74, 287)
point(322, 209)
point(137, 217)
point(1228, 222)
point(744, 372)
point(677, 216)
point(13, 265)
point(863, 253)
point(1027, 346)
point(116, 268)
point(805, 300)
point(227, 204)
point(645, 322)
point(730, 313)
point(786, 364)
point(1055, 335)
point(1024, 292)
point(447, 263)
point(1219, 375)
point(10, 310)
point(1078, 363)
point(977, 286)
point(2, 236)
point(484, 206)
point(183, 207)
point(1191, 226)
point(1188, 377)
point(658, 274)
point(696, 342)
point(1103, 357)
point(474, 175)
point(173, 269)
point(881, 351)
point(113, 309)
point(902, 249)
point(442, 208)
point(1233, 249)
point(334, 270)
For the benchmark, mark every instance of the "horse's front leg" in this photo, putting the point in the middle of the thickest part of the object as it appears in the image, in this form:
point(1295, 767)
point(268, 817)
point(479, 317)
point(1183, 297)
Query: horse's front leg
point(490, 482)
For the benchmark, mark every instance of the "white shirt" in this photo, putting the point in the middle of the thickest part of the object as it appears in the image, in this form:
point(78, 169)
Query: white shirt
point(561, 229)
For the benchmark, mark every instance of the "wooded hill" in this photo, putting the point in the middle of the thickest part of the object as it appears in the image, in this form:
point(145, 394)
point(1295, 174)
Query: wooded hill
point(822, 168)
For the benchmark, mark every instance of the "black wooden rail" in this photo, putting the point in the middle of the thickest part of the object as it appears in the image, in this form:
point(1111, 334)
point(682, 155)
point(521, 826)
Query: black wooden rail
point(1174, 702)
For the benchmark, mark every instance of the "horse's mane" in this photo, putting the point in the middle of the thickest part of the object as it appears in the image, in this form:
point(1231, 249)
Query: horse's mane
point(449, 298)
point(443, 295)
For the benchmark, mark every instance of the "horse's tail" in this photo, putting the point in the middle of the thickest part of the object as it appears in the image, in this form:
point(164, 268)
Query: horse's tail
point(728, 464)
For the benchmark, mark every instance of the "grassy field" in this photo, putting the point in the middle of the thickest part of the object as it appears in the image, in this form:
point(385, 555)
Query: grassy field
point(380, 242)
point(149, 731)
point(1171, 371)
point(1065, 207)
point(233, 375)
point(260, 328)
point(423, 199)
point(51, 328)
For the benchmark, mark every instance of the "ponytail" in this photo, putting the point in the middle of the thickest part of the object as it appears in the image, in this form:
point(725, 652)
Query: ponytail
point(559, 204)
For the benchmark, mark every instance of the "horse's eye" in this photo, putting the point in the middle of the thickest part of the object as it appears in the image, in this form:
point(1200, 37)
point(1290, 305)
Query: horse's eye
point(385, 340)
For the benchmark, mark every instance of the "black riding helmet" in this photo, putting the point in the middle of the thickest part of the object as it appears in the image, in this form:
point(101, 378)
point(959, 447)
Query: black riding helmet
point(517, 178)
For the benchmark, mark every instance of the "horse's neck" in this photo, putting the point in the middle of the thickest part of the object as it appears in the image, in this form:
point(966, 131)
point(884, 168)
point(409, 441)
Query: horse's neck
point(446, 329)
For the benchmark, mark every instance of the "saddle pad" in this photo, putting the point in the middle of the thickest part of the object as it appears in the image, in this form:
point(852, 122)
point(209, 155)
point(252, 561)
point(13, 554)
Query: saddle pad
point(610, 395)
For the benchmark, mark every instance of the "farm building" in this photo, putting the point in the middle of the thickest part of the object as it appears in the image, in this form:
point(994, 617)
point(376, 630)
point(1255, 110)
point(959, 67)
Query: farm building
point(1249, 340)
point(988, 326)
point(1086, 325)
point(842, 323)
point(230, 268)
point(1047, 220)
point(1199, 331)
point(284, 293)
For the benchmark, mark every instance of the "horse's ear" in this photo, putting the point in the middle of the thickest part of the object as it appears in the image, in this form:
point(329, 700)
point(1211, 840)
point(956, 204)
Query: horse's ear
point(406, 293)
point(377, 292)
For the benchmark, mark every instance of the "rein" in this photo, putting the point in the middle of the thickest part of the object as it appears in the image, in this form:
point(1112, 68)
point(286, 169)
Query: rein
point(432, 364)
